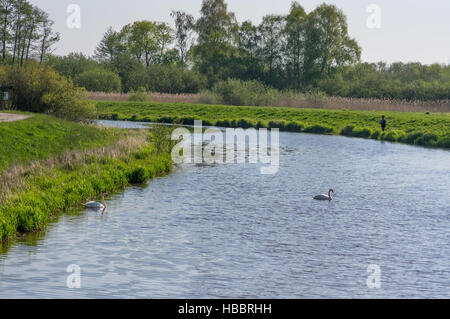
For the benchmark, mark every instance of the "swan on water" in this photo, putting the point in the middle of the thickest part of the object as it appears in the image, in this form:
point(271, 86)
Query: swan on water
point(325, 197)
point(96, 205)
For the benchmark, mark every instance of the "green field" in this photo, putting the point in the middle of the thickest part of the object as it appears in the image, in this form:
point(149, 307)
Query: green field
point(424, 129)
point(50, 165)
point(41, 137)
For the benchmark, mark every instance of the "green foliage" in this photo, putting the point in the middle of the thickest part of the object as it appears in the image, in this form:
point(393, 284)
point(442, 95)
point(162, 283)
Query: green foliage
point(400, 81)
point(99, 80)
point(238, 92)
point(166, 79)
point(141, 95)
point(138, 175)
point(72, 65)
point(40, 89)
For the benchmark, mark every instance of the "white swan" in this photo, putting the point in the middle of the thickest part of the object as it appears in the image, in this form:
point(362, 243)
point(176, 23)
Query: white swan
point(96, 205)
point(325, 197)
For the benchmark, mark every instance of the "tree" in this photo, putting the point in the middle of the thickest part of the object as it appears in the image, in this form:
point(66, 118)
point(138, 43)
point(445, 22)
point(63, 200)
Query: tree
point(327, 43)
point(216, 25)
point(48, 37)
point(26, 31)
point(273, 43)
point(6, 11)
point(110, 46)
point(163, 37)
point(147, 41)
point(184, 25)
point(217, 35)
point(295, 43)
point(72, 64)
point(99, 80)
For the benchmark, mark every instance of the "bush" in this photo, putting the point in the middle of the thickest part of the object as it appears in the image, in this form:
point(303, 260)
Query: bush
point(99, 80)
point(294, 127)
point(348, 130)
point(319, 129)
point(238, 92)
point(141, 95)
point(444, 142)
point(362, 132)
point(208, 97)
point(40, 89)
point(166, 79)
point(138, 175)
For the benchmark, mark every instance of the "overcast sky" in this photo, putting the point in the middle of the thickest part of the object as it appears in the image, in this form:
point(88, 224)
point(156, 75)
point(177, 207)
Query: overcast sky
point(411, 30)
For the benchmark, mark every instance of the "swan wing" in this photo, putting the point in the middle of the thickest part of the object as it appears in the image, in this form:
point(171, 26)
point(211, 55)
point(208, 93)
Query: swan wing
point(322, 197)
point(93, 205)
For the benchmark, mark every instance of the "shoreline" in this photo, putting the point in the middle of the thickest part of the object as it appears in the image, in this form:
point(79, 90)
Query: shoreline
point(33, 193)
point(420, 129)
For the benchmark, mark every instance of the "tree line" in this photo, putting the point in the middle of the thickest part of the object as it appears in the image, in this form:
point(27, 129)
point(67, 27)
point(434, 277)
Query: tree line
point(298, 51)
point(26, 32)
point(290, 51)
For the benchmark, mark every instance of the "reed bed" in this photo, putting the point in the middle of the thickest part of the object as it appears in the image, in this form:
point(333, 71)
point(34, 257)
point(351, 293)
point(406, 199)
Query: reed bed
point(155, 97)
point(298, 100)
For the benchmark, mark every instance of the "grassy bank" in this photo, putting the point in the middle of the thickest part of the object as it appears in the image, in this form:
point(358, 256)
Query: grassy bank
point(40, 137)
point(62, 164)
point(424, 129)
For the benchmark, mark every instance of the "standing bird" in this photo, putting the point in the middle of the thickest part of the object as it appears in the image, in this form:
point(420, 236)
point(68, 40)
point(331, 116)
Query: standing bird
point(325, 197)
point(96, 205)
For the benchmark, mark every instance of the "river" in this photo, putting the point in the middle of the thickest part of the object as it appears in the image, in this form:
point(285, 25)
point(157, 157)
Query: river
point(226, 231)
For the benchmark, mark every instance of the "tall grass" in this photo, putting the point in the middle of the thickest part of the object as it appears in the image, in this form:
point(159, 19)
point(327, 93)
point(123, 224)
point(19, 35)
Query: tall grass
point(295, 100)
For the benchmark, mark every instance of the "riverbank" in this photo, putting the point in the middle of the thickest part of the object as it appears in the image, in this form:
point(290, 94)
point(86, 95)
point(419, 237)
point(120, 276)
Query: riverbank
point(423, 129)
point(50, 165)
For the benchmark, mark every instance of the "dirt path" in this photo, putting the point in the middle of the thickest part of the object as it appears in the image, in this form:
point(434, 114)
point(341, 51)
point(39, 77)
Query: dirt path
point(8, 117)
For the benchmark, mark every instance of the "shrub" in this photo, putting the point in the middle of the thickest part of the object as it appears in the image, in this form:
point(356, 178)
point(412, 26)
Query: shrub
point(276, 124)
point(426, 140)
point(141, 95)
point(375, 135)
point(390, 136)
point(99, 80)
point(294, 127)
point(348, 130)
point(40, 89)
point(238, 92)
point(318, 129)
point(166, 79)
point(362, 132)
point(444, 142)
point(208, 97)
point(138, 175)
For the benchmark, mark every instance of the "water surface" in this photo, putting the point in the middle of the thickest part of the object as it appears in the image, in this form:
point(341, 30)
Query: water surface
point(226, 231)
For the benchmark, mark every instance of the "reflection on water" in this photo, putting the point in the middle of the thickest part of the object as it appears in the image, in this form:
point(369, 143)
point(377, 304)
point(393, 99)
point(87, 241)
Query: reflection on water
point(212, 231)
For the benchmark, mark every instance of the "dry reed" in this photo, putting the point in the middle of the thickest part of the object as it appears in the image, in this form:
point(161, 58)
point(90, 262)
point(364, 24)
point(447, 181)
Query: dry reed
point(300, 101)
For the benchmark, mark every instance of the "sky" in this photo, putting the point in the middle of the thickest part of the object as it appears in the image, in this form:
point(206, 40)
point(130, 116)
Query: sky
point(391, 31)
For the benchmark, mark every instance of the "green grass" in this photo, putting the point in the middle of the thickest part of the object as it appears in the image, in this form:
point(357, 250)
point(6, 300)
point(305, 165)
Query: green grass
point(54, 179)
point(424, 129)
point(42, 136)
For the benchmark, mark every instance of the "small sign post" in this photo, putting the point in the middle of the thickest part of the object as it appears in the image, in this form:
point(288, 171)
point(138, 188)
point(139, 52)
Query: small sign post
point(5, 94)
